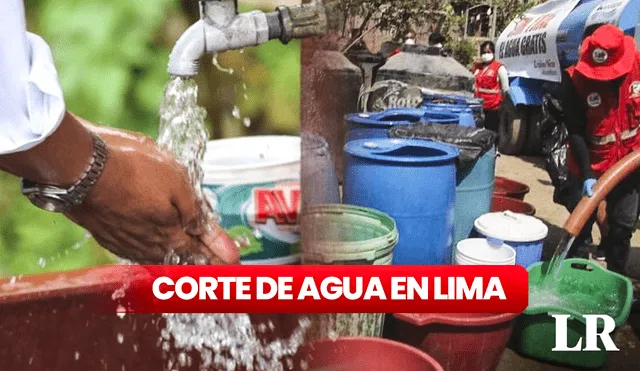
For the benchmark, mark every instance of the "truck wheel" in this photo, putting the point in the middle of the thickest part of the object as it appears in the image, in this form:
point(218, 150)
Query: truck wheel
point(533, 124)
point(512, 129)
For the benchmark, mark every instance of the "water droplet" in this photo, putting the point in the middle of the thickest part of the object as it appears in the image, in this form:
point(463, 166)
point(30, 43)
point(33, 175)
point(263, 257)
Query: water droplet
point(42, 262)
point(247, 122)
point(236, 112)
point(135, 348)
point(121, 311)
point(241, 51)
point(217, 65)
point(30, 360)
point(12, 280)
point(246, 96)
point(120, 338)
point(77, 356)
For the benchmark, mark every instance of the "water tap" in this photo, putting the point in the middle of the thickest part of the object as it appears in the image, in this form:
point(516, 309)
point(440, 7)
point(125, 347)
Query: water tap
point(221, 28)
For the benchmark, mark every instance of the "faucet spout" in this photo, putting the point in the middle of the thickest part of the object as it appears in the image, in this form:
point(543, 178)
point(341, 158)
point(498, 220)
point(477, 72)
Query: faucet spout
point(221, 28)
point(605, 185)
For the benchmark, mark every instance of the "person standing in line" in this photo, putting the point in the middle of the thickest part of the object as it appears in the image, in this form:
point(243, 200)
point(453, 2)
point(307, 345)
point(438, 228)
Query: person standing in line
point(602, 94)
point(492, 84)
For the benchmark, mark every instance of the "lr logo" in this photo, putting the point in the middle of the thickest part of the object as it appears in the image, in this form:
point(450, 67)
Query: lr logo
point(592, 334)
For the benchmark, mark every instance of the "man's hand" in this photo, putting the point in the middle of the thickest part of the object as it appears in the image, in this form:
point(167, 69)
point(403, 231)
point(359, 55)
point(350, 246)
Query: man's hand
point(143, 207)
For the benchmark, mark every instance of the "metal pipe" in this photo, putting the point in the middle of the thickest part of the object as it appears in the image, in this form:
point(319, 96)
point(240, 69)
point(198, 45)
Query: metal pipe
point(605, 185)
point(222, 28)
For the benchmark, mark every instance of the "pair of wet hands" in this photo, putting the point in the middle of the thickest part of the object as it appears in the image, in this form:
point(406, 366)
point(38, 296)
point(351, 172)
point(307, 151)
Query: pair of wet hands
point(143, 207)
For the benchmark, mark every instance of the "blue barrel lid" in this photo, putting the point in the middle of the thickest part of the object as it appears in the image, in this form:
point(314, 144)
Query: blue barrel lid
point(400, 116)
point(407, 151)
point(447, 107)
point(388, 118)
point(440, 117)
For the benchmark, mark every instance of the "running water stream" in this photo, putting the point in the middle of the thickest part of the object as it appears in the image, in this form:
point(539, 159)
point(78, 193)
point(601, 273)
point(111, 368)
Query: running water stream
point(579, 294)
point(223, 341)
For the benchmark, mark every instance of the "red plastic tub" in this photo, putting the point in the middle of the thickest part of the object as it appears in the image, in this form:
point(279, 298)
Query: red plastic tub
point(469, 342)
point(510, 188)
point(501, 203)
point(359, 354)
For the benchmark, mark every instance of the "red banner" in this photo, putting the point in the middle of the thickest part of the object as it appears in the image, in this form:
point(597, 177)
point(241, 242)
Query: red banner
point(321, 289)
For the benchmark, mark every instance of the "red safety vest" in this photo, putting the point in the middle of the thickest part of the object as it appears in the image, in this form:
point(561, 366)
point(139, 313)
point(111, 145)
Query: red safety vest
point(612, 128)
point(488, 85)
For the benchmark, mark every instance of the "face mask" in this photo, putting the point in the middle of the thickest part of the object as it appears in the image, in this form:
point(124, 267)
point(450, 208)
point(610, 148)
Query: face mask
point(487, 57)
point(410, 42)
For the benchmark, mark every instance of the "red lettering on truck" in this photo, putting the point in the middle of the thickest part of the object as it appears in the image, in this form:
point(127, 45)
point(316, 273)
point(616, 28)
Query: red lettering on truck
point(272, 204)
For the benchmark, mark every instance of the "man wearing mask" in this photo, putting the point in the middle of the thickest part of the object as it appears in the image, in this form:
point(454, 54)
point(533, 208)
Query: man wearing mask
point(492, 83)
point(602, 94)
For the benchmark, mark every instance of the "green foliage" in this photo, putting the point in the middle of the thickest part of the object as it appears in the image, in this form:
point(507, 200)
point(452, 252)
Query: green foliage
point(111, 58)
point(464, 52)
point(394, 16)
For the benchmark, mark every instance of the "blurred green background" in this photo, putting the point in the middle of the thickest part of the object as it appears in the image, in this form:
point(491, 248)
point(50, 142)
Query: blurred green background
point(111, 58)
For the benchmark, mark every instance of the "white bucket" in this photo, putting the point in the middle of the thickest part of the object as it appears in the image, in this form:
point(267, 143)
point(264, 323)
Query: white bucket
point(253, 183)
point(479, 251)
point(524, 233)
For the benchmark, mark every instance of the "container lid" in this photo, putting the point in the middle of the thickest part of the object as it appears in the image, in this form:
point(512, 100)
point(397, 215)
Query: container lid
point(407, 151)
point(488, 251)
point(388, 118)
point(510, 226)
point(252, 159)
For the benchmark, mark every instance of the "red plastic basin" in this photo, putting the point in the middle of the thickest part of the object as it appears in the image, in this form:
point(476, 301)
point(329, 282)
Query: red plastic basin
point(359, 354)
point(501, 203)
point(469, 342)
point(510, 188)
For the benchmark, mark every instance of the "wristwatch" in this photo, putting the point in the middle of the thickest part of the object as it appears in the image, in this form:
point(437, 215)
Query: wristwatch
point(60, 200)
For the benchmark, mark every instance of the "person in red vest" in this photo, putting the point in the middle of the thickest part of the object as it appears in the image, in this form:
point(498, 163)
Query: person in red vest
point(492, 82)
point(602, 103)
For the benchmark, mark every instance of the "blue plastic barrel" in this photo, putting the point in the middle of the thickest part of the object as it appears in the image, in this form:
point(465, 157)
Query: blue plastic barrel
point(414, 182)
point(464, 112)
point(377, 124)
point(476, 104)
point(474, 195)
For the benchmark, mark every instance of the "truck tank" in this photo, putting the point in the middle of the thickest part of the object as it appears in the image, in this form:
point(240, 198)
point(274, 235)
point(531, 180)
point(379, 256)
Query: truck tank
point(522, 113)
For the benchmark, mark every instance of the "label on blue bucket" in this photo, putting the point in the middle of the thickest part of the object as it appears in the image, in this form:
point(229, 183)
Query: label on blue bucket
point(262, 218)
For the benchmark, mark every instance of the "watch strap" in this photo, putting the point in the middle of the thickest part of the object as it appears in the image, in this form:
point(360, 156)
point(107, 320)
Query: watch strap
point(77, 193)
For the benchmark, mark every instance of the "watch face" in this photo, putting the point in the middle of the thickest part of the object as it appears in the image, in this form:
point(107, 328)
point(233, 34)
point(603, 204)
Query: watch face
point(49, 203)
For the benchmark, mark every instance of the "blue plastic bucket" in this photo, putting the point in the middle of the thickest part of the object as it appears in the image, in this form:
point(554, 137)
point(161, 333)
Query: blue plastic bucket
point(474, 195)
point(377, 124)
point(414, 182)
point(524, 233)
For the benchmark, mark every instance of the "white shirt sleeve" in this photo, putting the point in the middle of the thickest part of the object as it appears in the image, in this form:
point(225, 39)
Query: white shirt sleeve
point(503, 77)
point(31, 100)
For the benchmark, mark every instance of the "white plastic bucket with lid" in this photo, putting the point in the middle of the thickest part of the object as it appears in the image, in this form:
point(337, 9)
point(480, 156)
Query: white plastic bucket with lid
point(524, 233)
point(253, 184)
point(480, 251)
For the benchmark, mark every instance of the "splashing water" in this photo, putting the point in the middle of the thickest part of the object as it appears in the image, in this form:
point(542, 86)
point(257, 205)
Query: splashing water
point(217, 65)
point(222, 340)
point(42, 261)
point(580, 296)
point(228, 342)
point(182, 127)
point(562, 250)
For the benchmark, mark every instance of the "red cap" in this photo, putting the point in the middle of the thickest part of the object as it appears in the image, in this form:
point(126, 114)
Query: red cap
point(607, 54)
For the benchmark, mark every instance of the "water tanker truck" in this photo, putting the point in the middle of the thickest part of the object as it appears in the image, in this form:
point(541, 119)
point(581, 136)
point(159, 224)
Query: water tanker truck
point(536, 47)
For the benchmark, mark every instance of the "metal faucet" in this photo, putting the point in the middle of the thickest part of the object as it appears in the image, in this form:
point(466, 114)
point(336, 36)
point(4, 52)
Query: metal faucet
point(221, 28)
